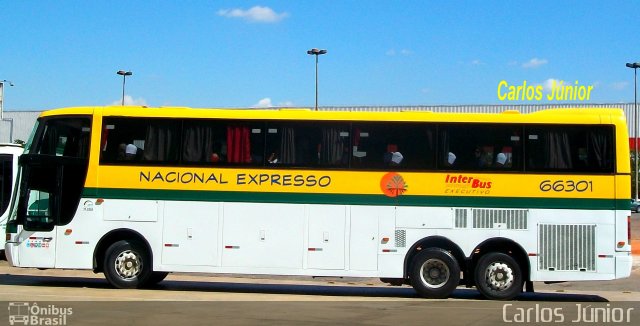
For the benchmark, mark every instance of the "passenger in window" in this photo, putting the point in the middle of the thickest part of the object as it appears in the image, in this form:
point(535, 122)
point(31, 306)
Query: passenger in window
point(501, 160)
point(479, 159)
point(484, 156)
point(122, 148)
point(130, 152)
point(393, 159)
point(273, 158)
point(451, 159)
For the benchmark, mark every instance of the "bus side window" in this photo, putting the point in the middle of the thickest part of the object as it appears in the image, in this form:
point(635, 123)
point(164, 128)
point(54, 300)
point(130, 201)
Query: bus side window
point(570, 148)
point(479, 147)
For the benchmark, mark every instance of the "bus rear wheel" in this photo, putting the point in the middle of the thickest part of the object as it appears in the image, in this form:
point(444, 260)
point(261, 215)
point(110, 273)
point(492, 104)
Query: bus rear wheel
point(498, 277)
point(435, 273)
point(127, 265)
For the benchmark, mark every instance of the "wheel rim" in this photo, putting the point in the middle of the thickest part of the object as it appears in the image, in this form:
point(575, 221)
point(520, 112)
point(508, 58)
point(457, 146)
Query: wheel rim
point(434, 273)
point(128, 264)
point(499, 276)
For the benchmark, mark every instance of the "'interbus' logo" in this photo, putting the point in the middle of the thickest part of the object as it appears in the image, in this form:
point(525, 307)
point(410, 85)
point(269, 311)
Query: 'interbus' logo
point(466, 184)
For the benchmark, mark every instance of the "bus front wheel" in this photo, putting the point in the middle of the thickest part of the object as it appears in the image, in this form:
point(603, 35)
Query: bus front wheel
point(127, 265)
point(435, 273)
point(498, 277)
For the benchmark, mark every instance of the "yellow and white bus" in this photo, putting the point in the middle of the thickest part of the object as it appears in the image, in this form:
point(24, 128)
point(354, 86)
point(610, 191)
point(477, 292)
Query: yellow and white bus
point(435, 200)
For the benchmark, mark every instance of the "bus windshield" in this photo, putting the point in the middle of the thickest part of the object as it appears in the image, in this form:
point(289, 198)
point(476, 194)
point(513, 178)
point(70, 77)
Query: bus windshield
point(48, 195)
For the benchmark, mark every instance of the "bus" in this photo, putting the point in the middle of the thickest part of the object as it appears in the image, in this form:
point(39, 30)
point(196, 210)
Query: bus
point(9, 154)
point(433, 200)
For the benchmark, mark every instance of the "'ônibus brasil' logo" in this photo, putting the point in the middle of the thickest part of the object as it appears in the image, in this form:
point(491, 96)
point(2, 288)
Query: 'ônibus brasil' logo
point(393, 185)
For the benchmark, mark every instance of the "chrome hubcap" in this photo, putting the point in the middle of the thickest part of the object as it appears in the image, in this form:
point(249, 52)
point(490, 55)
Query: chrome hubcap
point(434, 273)
point(128, 264)
point(499, 276)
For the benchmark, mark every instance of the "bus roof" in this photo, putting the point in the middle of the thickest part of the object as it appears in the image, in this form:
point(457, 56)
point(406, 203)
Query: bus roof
point(574, 115)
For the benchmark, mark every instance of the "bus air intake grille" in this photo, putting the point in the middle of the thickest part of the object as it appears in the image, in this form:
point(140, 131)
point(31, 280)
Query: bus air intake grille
point(567, 247)
point(511, 219)
point(461, 217)
point(401, 238)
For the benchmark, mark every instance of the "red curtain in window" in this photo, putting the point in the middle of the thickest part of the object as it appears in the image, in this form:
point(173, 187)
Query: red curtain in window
point(238, 145)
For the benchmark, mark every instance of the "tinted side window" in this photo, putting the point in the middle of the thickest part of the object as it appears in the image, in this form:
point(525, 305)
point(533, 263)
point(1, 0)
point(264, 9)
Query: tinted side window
point(64, 137)
point(393, 146)
point(307, 144)
point(570, 148)
point(140, 140)
point(480, 147)
point(222, 142)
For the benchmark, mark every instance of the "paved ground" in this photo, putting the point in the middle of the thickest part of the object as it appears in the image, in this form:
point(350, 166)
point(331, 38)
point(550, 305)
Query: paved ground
point(200, 299)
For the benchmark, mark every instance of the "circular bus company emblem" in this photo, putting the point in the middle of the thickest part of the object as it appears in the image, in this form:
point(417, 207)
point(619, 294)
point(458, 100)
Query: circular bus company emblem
point(393, 185)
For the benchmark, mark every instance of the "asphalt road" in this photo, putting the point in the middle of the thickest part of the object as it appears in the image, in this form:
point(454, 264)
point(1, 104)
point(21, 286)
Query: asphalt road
point(196, 299)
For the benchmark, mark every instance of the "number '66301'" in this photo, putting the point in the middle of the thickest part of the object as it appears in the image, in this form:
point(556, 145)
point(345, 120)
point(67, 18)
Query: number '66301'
point(566, 185)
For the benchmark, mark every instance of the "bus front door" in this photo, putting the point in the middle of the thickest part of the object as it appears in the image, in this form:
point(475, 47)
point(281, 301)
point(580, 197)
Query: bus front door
point(37, 239)
point(38, 212)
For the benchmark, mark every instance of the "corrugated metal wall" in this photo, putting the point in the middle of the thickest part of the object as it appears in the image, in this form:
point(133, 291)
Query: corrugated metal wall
point(17, 125)
point(23, 120)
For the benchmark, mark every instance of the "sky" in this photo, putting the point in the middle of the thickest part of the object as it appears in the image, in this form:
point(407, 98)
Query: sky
point(253, 53)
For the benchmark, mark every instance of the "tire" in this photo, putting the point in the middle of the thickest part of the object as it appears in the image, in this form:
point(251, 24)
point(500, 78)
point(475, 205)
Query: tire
point(434, 273)
point(155, 278)
point(127, 265)
point(498, 277)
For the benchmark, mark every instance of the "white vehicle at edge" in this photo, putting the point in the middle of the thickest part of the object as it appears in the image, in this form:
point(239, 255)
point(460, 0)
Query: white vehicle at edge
point(9, 154)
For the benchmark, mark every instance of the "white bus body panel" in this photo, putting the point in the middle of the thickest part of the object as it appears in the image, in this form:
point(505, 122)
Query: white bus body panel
point(359, 241)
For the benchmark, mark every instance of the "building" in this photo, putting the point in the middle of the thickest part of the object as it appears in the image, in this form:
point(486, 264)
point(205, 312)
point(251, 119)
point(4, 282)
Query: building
point(17, 125)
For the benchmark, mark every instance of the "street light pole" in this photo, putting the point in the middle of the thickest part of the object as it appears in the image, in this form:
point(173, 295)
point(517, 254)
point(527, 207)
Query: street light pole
point(124, 75)
point(317, 53)
point(635, 67)
point(2, 82)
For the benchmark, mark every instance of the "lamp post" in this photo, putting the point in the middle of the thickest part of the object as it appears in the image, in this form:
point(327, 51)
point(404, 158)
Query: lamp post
point(124, 75)
point(2, 82)
point(635, 67)
point(317, 53)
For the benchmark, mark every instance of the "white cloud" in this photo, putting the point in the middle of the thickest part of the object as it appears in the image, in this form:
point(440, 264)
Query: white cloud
point(476, 62)
point(129, 100)
point(268, 103)
point(534, 63)
point(618, 86)
point(263, 103)
point(549, 83)
point(256, 14)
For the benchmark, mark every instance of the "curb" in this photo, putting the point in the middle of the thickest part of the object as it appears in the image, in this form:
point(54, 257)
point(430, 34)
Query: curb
point(635, 247)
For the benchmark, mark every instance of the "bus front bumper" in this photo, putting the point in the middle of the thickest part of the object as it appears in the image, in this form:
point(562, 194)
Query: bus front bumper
point(11, 252)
